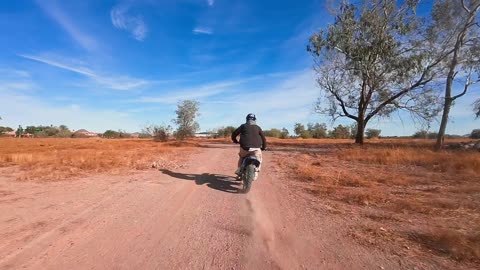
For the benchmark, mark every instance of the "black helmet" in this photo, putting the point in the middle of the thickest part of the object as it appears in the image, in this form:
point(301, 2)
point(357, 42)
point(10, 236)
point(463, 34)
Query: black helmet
point(251, 116)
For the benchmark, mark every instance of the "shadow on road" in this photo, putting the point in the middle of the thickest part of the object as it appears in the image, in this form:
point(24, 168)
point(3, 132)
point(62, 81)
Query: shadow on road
point(223, 183)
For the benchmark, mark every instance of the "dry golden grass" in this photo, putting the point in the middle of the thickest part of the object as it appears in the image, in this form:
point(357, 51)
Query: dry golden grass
point(424, 157)
point(425, 198)
point(459, 245)
point(56, 159)
point(385, 142)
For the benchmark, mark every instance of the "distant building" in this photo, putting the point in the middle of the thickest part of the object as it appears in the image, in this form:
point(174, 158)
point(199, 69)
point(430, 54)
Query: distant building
point(86, 133)
point(205, 134)
point(9, 134)
point(13, 134)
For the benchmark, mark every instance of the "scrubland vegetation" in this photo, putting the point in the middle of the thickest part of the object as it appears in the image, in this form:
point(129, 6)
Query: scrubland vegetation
point(61, 159)
point(406, 197)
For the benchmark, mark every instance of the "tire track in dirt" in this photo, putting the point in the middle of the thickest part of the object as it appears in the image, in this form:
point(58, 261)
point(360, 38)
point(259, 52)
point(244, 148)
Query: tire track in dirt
point(39, 240)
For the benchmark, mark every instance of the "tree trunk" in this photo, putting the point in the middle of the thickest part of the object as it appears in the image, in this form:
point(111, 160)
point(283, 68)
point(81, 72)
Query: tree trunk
point(443, 124)
point(360, 131)
point(448, 98)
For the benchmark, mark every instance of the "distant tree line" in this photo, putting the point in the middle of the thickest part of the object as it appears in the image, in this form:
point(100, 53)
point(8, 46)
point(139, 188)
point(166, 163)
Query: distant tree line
point(61, 131)
point(313, 130)
point(186, 121)
point(5, 129)
point(319, 131)
point(224, 132)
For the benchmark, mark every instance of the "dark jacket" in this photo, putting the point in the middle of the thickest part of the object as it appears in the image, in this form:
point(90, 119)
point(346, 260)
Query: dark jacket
point(251, 136)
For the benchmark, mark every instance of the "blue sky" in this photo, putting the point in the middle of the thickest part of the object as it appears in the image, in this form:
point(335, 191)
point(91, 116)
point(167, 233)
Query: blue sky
point(124, 64)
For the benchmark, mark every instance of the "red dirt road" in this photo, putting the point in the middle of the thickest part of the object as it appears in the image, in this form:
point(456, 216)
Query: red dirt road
point(192, 218)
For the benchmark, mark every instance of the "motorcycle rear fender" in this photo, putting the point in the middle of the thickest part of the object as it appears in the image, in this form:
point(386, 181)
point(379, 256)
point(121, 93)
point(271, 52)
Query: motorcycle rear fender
point(251, 160)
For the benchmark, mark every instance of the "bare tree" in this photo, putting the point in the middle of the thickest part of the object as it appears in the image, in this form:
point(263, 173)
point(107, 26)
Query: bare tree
point(159, 133)
point(455, 28)
point(373, 61)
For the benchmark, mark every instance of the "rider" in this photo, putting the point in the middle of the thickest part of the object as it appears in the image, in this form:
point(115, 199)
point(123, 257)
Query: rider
point(251, 136)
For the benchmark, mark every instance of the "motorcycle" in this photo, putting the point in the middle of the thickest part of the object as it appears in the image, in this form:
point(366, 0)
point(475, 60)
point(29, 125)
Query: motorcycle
point(249, 169)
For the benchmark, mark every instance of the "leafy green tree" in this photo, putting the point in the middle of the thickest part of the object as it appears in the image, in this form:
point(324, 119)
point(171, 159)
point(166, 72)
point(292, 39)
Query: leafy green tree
point(455, 29)
point(225, 131)
point(186, 120)
point(19, 132)
point(372, 61)
point(421, 134)
point(34, 131)
point(284, 134)
point(63, 132)
point(317, 130)
point(475, 134)
point(228, 131)
point(306, 135)
point(299, 129)
point(111, 134)
point(50, 131)
point(274, 132)
point(373, 133)
point(433, 135)
point(340, 132)
point(424, 134)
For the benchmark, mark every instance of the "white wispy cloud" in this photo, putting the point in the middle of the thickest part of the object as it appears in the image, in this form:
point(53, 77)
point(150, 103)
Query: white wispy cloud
point(202, 30)
point(198, 92)
point(80, 70)
point(13, 86)
point(133, 24)
point(15, 81)
point(65, 21)
point(222, 89)
point(206, 92)
point(210, 2)
point(14, 73)
point(287, 98)
point(112, 82)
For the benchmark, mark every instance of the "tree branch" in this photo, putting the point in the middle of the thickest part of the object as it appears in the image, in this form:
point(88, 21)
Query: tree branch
point(465, 88)
point(420, 82)
point(465, 7)
point(344, 109)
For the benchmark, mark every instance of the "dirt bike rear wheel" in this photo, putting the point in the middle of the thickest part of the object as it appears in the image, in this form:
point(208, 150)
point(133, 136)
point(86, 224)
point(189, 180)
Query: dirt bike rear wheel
point(248, 177)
